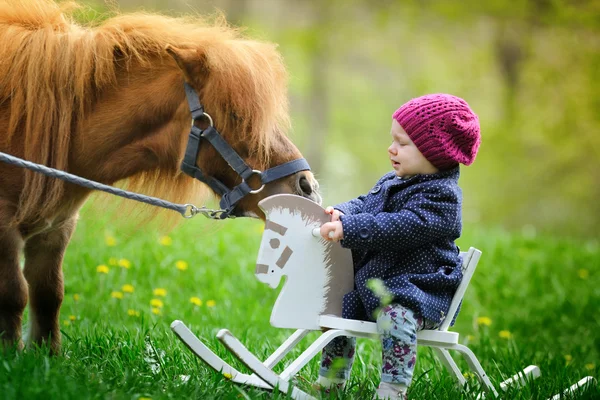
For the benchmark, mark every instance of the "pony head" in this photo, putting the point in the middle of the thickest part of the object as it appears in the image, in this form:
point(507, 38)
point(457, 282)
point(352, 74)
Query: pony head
point(243, 86)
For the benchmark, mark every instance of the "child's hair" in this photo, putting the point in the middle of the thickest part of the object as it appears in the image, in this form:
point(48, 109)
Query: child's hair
point(443, 127)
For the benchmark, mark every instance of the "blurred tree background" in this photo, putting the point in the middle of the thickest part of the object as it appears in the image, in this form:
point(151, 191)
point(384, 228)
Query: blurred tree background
point(529, 69)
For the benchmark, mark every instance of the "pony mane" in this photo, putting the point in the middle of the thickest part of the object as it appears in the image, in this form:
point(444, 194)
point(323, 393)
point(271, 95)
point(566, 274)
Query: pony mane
point(50, 65)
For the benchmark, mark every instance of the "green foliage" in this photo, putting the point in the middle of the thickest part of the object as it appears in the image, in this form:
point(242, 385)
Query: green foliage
point(533, 300)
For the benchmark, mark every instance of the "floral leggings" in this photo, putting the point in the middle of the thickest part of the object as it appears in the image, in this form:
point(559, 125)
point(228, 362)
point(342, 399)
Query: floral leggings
point(398, 327)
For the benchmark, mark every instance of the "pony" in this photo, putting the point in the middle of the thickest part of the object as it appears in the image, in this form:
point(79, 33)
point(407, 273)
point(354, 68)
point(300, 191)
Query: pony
point(106, 101)
point(289, 250)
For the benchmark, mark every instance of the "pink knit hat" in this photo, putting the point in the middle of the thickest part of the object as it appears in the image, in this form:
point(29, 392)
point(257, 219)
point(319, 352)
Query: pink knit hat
point(443, 127)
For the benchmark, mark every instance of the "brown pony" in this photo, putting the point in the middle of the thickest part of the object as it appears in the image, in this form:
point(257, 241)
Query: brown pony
point(108, 103)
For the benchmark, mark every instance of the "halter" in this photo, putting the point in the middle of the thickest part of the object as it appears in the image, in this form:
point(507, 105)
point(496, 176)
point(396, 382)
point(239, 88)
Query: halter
point(229, 197)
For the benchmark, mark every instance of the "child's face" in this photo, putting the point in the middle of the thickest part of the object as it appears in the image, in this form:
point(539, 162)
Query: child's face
point(406, 158)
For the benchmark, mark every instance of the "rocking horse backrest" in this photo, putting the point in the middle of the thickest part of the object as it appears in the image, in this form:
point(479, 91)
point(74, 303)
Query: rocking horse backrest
point(469, 264)
point(309, 264)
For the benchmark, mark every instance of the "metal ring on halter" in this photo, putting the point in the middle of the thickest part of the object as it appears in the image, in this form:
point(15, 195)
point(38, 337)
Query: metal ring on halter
point(210, 120)
point(259, 173)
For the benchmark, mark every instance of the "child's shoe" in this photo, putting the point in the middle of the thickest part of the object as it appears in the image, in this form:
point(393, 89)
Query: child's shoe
point(391, 391)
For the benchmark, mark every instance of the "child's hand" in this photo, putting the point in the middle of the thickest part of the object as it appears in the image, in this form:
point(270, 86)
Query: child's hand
point(332, 231)
point(335, 214)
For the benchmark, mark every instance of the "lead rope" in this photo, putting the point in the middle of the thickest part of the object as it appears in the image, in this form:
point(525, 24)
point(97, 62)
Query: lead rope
point(186, 210)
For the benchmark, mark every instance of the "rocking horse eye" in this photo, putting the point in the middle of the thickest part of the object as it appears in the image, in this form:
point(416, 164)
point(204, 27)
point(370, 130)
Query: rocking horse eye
point(274, 243)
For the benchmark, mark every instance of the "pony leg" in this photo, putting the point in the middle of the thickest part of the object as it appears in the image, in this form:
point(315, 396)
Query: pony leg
point(13, 288)
point(43, 271)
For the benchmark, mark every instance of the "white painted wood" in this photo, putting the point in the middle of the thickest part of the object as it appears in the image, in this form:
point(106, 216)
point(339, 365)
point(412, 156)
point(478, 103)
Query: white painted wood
point(333, 322)
point(469, 264)
point(266, 374)
point(588, 380)
point(285, 348)
point(213, 360)
point(520, 379)
point(450, 364)
point(290, 250)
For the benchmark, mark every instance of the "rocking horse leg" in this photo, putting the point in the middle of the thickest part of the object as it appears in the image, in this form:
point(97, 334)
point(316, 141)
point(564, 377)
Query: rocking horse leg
point(450, 364)
point(266, 374)
point(43, 271)
point(13, 288)
point(285, 348)
point(213, 360)
point(474, 364)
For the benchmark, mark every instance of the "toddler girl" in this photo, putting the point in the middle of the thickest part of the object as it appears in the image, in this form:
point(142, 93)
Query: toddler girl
point(402, 233)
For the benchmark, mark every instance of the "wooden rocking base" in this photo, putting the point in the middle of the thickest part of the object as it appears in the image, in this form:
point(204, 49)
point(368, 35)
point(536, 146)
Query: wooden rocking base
point(264, 377)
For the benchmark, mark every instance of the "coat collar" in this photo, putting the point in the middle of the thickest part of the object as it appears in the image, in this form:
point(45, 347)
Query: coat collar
point(452, 174)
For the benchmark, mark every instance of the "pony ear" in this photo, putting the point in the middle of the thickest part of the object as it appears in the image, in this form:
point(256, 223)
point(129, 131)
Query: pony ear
point(191, 63)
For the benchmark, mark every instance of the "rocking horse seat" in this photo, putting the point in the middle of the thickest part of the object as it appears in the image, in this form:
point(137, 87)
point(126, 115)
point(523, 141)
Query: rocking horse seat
point(370, 328)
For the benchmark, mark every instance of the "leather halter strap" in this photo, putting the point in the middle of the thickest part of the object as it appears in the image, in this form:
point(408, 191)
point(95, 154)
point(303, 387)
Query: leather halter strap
point(229, 197)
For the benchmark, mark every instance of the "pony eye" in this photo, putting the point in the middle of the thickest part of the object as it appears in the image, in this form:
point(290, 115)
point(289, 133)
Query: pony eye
point(274, 243)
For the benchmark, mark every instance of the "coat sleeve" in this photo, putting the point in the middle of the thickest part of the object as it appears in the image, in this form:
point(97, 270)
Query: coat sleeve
point(425, 217)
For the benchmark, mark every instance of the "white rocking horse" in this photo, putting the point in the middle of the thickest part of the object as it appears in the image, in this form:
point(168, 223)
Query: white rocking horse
point(318, 273)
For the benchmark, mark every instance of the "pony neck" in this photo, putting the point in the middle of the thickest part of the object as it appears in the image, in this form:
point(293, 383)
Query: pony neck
point(137, 126)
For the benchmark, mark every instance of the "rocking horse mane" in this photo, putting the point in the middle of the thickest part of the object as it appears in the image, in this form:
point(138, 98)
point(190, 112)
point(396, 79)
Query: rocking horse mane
point(52, 69)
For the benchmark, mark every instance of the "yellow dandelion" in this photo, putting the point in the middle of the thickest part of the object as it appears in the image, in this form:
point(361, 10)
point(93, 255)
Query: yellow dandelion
point(484, 321)
point(166, 241)
point(76, 297)
point(568, 359)
point(211, 303)
point(116, 295)
point(110, 241)
point(470, 337)
point(66, 322)
point(144, 398)
point(127, 288)
point(133, 313)
point(72, 317)
point(156, 311)
point(125, 263)
point(113, 261)
point(181, 265)
point(196, 301)
point(505, 334)
point(227, 375)
point(102, 269)
point(590, 366)
point(160, 292)
point(583, 273)
point(156, 303)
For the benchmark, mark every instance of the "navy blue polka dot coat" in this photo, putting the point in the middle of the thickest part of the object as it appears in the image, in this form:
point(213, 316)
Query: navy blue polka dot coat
point(402, 232)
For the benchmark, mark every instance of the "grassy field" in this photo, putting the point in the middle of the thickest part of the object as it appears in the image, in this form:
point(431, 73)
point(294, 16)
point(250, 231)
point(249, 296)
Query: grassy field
point(533, 300)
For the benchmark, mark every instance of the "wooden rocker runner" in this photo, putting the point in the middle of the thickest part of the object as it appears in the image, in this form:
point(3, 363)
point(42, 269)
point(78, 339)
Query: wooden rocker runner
point(318, 274)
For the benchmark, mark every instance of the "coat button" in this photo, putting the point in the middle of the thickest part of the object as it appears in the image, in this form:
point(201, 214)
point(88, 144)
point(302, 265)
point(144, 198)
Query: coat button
point(376, 189)
point(364, 233)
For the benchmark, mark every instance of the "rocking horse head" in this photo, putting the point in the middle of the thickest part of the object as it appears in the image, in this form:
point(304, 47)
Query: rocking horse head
point(317, 273)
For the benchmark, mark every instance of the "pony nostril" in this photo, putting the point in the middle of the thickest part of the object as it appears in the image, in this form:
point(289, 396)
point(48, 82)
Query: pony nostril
point(305, 186)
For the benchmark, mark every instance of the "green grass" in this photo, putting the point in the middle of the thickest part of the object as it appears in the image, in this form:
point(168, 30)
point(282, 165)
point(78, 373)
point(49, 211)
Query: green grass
point(543, 291)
